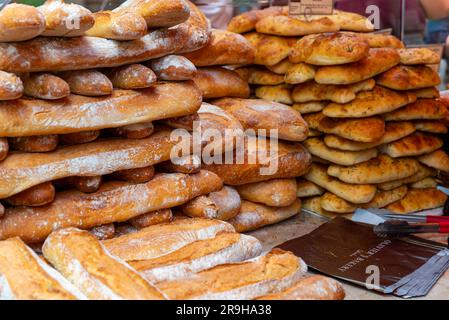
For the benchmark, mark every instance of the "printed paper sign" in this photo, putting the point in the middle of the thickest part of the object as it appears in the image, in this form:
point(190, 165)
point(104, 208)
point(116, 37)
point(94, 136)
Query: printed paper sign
point(311, 7)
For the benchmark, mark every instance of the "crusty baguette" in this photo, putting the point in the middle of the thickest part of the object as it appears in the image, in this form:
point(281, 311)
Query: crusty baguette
point(160, 240)
point(438, 160)
point(330, 49)
point(331, 202)
point(379, 170)
point(104, 232)
point(415, 56)
point(81, 258)
point(21, 171)
point(283, 25)
point(11, 86)
point(185, 122)
point(317, 147)
point(312, 91)
point(79, 137)
point(437, 127)
point(79, 53)
point(409, 78)
point(130, 77)
point(25, 276)
point(413, 145)
point(310, 288)
point(45, 86)
point(384, 198)
point(418, 200)
point(280, 93)
point(90, 83)
point(273, 272)
point(259, 75)
point(157, 13)
point(350, 192)
point(36, 196)
point(262, 162)
point(310, 107)
point(186, 164)
point(199, 256)
point(422, 109)
point(173, 68)
point(308, 189)
point(223, 205)
point(27, 117)
point(152, 218)
point(44, 143)
point(82, 184)
point(65, 19)
point(274, 193)
point(278, 49)
point(362, 130)
point(300, 73)
point(224, 48)
point(118, 26)
point(75, 209)
point(216, 82)
point(4, 148)
point(134, 131)
point(370, 103)
point(19, 22)
point(422, 173)
point(138, 175)
point(253, 215)
point(247, 21)
point(259, 114)
point(360, 70)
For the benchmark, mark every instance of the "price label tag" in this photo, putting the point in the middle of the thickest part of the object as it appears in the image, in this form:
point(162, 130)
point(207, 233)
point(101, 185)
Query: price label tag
point(311, 7)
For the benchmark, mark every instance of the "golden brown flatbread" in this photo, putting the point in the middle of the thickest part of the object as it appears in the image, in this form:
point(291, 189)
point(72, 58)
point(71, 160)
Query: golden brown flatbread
point(270, 50)
point(280, 93)
point(437, 127)
point(259, 75)
point(384, 198)
point(310, 107)
point(300, 73)
point(330, 202)
point(289, 26)
point(377, 40)
point(416, 144)
point(438, 160)
point(422, 109)
point(308, 189)
point(425, 183)
point(409, 78)
point(422, 173)
point(415, 56)
point(246, 22)
point(417, 200)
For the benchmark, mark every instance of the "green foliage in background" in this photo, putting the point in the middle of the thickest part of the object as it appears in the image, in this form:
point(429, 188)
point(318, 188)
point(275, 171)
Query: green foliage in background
point(35, 3)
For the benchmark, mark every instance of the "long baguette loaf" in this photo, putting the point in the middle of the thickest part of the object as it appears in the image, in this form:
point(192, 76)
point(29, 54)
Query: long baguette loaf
point(44, 143)
point(118, 26)
point(81, 258)
point(21, 171)
point(45, 86)
point(200, 255)
point(36, 196)
point(173, 68)
point(255, 163)
point(267, 274)
point(217, 82)
point(25, 276)
point(260, 114)
point(27, 117)
point(130, 77)
point(19, 22)
point(160, 240)
point(11, 86)
point(152, 218)
point(90, 83)
point(116, 202)
point(225, 48)
point(78, 53)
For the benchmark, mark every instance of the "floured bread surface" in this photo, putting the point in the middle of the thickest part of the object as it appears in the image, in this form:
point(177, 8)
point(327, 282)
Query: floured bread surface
point(198, 256)
point(267, 274)
point(417, 200)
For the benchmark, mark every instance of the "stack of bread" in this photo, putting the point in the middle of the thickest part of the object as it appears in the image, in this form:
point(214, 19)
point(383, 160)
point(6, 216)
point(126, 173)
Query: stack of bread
point(371, 106)
point(252, 197)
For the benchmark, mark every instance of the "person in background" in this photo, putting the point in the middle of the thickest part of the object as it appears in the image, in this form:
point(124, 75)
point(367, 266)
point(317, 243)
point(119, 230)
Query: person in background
point(437, 12)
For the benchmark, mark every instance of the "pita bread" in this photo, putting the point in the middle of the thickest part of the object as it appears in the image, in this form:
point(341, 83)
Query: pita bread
point(329, 49)
point(422, 173)
point(426, 93)
point(414, 56)
point(422, 109)
point(300, 73)
point(350, 192)
point(312, 91)
point(438, 160)
point(378, 61)
point(330, 202)
point(280, 93)
point(260, 76)
point(314, 204)
point(369, 103)
point(247, 21)
point(384, 198)
point(425, 183)
point(270, 50)
point(409, 78)
point(418, 200)
point(281, 67)
point(292, 27)
point(415, 144)
point(318, 148)
point(349, 21)
point(437, 127)
point(393, 131)
point(378, 170)
point(377, 40)
point(308, 189)
point(310, 107)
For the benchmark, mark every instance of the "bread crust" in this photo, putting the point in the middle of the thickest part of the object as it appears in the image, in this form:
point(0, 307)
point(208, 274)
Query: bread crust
point(283, 25)
point(422, 109)
point(269, 50)
point(45, 86)
point(247, 21)
point(173, 68)
point(152, 218)
point(11, 86)
point(131, 77)
point(437, 159)
point(89, 83)
point(415, 144)
point(409, 78)
point(36, 144)
point(416, 56)
point(20, 22)
point(36, 196)
point(118, 26)
point(217, 82)
point(418, 200)
point(384, 198)
point(274, 193)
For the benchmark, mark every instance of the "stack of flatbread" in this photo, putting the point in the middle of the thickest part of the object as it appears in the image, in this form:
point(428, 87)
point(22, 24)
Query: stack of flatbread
point(372, 106)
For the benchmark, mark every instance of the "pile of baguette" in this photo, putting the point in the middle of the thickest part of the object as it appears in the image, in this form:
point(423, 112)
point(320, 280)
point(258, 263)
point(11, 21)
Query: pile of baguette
point(373, 110)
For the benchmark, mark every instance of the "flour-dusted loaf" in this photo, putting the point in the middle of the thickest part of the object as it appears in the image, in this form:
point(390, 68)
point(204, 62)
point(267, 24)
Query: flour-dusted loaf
point(152, 218)
point(45, 86)
point(173, 68)
point(89, 83)
point(118, 26)
point(11, 86)
point(44, 143)
point(19, 22)
point(217, 82)
point(36, 196)
point(131, 77)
